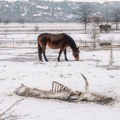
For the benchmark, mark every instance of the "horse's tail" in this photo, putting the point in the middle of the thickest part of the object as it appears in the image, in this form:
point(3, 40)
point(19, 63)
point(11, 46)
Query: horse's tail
point(39, 50)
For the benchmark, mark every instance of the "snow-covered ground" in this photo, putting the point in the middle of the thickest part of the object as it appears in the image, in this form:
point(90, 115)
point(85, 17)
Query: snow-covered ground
point(20, 65)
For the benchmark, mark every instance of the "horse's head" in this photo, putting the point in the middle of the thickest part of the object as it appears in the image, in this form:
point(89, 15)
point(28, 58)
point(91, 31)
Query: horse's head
point(76, 54)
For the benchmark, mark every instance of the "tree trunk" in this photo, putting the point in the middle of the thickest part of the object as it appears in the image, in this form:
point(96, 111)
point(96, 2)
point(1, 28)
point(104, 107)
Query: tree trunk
point(116, 25)
point(85, 27)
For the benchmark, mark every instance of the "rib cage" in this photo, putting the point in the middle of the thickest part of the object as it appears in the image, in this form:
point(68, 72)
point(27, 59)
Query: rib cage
point(58, 87)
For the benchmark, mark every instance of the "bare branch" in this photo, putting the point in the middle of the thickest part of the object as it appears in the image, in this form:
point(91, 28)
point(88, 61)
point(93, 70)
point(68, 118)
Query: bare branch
point(16, 103)
point(1, 101)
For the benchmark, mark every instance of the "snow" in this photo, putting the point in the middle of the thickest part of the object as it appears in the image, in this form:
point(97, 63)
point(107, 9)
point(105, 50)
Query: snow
point(21, 66)
point(43, 7)
point(39, 14)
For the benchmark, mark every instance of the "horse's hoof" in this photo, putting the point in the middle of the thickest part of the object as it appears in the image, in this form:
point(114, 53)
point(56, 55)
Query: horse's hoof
point(40, 60)
point(46, 60)
point(58, 60)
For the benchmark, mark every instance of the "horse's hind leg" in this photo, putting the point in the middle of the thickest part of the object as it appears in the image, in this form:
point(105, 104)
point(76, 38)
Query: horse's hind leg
point(39, 52)
point(65, 53)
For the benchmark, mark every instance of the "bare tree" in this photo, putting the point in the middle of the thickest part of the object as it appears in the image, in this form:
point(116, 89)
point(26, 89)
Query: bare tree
point(95, 35)
point(21, 21)
point(116, 16)
point(106, 13)
point(0, 19)
point(36, 28)
point(95, 19)
point(6, 21)
point(111, 59)
point(84, 12)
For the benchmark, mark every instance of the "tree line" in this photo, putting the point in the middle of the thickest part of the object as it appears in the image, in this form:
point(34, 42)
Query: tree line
point(65, 11)
point(86, 13)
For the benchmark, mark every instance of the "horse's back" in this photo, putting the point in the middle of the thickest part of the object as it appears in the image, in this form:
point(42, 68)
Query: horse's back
point(54, 41)
point(43, 35)
point(105, 26)
point(51, 36)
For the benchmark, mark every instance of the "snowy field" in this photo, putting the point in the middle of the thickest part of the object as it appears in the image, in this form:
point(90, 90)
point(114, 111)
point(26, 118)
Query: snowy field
point(20, 65)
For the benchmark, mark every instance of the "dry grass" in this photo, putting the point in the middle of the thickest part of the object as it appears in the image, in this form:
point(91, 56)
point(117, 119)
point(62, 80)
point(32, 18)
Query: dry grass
point(8, 114)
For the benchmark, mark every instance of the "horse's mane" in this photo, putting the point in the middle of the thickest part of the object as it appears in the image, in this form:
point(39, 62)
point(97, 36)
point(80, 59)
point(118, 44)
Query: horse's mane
point(71, 42)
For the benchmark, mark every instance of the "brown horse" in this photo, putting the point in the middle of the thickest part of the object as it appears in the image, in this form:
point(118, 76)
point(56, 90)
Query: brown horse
point(56, 41)
point(105, 28)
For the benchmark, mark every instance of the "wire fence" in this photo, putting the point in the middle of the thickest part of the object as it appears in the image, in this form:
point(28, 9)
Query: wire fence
point(20, 36)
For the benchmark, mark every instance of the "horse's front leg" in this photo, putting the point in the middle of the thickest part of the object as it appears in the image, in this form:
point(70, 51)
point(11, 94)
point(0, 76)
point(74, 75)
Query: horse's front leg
point(43, 50)
point(65, 53)
point(60, 52)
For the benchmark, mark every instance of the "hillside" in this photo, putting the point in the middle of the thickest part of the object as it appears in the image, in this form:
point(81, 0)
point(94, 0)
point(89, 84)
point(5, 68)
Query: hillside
point(45, 11)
